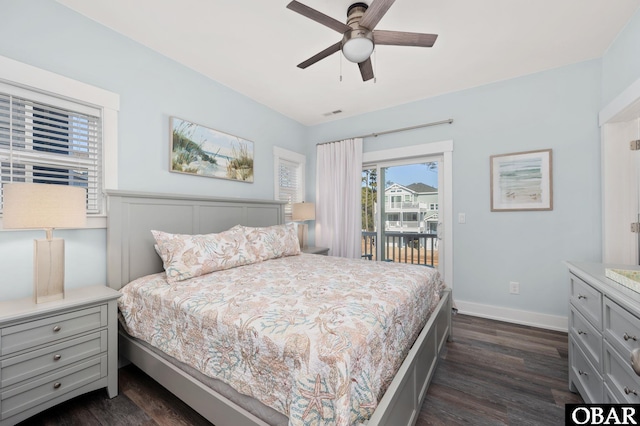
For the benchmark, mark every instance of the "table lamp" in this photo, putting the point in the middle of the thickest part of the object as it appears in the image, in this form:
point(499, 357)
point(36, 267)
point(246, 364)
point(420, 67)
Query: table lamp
point(45, 206)
point(301, 212)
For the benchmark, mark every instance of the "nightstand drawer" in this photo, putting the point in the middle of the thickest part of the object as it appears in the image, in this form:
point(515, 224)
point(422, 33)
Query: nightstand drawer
point(30, 334)
point(42, 361)
point(21, 398)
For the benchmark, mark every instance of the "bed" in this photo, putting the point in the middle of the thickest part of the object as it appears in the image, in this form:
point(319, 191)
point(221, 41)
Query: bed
point(133, 259)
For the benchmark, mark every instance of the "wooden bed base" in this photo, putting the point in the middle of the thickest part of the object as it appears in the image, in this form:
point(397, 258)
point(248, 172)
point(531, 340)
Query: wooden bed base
point(131, 255)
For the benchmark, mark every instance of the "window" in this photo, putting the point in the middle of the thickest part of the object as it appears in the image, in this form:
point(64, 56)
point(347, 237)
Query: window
point(41, 142)
point(433, 206)
point(289, 178)
point(410, 217)
point(57, 130)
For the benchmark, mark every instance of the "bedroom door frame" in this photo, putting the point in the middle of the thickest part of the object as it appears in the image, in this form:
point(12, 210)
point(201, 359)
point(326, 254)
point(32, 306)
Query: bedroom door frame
point(413, 153)
point(619, 124)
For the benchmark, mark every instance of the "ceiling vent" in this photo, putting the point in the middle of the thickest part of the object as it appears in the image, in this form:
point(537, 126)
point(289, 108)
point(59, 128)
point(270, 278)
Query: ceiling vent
point(328, 114)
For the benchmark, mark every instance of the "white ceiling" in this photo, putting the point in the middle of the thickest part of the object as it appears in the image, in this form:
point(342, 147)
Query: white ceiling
point(253, 46)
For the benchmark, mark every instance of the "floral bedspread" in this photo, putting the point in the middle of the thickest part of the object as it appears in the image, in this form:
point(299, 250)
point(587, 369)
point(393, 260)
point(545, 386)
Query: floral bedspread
point(317, 338)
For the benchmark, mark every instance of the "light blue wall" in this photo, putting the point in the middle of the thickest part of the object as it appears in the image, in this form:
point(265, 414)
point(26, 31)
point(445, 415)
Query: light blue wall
point(621, 62)
point(152, 88)
point(556, 109)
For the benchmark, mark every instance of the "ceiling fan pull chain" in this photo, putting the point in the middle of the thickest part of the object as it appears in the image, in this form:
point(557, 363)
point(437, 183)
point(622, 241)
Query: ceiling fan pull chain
point(340, 68)
point(375, 66)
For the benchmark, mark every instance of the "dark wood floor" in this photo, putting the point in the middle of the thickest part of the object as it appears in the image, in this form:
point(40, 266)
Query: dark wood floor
point(496, 373)
point(492, 373)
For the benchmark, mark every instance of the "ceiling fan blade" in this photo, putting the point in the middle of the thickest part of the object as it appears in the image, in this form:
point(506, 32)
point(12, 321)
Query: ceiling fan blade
point(366, 70)
point(326, 52)
point(374, 13)
point(321, 18)
point(399, 38)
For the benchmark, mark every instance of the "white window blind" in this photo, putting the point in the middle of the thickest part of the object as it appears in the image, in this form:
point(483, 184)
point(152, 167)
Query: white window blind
point(289, 185)
point(53, 141)
point(289, 178)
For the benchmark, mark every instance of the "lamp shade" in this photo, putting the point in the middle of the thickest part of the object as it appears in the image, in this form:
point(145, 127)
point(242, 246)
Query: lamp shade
point(35, 205)
point(303, 211)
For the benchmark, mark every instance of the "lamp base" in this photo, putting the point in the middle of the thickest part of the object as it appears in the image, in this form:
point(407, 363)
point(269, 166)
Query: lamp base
point(48, 270)
point(303, 231)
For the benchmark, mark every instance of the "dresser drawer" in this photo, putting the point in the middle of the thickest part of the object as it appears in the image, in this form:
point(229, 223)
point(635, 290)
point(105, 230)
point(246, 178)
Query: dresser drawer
point(30, 334)
point(42, 361)
point(621, 328)
point(609, 396)
point(589, 381)
point(619, 376)
point(588, 338)
point(587, 300)
point(23, 397)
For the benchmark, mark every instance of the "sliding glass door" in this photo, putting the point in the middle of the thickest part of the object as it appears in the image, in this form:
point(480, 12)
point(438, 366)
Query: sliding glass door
point(401, 204)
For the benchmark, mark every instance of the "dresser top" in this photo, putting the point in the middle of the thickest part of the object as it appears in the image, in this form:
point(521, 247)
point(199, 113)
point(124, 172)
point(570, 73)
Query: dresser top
point(75, 297)
point(594, 274)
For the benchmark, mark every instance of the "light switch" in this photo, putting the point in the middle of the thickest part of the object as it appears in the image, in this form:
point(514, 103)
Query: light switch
point(462, 218)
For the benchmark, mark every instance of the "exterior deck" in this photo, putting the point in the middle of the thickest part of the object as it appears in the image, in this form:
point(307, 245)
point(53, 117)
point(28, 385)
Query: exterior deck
point(405, 247)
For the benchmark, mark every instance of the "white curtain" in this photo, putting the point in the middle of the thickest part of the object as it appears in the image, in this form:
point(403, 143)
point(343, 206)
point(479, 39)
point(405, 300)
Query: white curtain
point(338, 197)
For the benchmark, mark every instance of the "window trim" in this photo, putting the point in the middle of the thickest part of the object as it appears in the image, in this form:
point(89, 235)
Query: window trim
point(35, 79)
point(293, 157)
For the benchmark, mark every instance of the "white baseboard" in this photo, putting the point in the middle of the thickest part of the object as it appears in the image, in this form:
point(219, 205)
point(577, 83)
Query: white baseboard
point(533, 319)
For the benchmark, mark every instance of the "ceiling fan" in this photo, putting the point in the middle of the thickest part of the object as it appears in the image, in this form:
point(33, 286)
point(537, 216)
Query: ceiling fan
point(358, 35)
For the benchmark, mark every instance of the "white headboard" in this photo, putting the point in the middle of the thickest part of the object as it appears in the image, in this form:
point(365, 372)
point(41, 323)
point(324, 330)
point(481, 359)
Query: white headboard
point(132, 215)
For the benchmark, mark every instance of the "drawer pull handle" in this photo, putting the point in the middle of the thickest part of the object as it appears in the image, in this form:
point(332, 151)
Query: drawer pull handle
point(627, 337)
point(581, 296)
point(582, 373)
point(57, 328)
point(57, 385)
point(580, 332)
point(628, 391)
point(57, 357)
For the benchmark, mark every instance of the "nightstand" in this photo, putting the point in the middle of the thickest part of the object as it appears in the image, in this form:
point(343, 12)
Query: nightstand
point(324, 251)
point(55, 351)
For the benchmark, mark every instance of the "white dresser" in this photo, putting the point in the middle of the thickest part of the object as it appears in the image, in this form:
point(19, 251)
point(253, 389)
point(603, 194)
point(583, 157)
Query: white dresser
point(604, 333)
point(54, 351)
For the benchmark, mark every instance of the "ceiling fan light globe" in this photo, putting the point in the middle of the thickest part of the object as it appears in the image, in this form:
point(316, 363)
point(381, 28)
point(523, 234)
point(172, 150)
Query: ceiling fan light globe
point(357, 49)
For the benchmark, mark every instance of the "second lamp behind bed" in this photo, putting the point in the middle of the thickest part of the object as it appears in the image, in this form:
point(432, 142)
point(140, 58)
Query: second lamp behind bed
point(302, 212)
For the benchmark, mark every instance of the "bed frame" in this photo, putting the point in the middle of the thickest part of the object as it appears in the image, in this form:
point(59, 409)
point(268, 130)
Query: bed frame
point(131, 255)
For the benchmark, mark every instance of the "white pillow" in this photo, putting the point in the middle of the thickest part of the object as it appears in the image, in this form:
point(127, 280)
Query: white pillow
point(272, 242)
point(187, 256)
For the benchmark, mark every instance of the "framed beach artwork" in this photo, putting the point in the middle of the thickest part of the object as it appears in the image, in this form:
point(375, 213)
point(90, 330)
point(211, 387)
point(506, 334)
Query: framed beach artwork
point(521, 181)
point(201, 151)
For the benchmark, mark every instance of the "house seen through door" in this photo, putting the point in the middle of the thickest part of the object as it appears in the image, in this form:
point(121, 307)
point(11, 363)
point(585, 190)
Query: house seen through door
point(401, 212)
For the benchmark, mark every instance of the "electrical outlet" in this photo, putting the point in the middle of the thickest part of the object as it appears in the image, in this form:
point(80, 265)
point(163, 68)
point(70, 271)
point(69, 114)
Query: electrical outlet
point(514, 287)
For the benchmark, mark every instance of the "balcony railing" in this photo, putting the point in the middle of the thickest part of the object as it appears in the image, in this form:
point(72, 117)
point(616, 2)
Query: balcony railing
point(402, 224)
point(408, 247)
point(404, 205)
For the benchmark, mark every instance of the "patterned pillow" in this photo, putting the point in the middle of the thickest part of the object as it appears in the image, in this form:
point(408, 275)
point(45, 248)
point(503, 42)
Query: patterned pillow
point(188, 256)
point(272, 242)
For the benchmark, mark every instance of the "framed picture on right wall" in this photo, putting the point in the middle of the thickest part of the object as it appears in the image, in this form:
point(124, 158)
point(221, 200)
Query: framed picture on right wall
point(522, 181)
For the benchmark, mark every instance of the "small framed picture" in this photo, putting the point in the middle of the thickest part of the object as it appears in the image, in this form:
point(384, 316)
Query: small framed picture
point(522, 181)
point(201, 151)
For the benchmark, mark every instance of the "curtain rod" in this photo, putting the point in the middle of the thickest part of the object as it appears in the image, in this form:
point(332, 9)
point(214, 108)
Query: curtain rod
point(403, 129)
